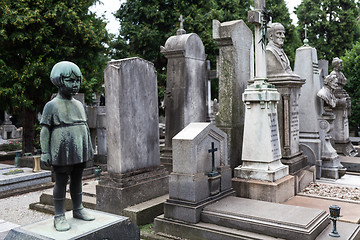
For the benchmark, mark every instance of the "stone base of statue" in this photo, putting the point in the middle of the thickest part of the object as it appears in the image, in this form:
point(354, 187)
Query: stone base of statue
point(118, 191)
point(345, 148)
point(331, 166)
point(105, 226)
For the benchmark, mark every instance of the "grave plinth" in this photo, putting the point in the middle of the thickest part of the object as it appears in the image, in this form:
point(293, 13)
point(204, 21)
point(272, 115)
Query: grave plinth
point(133, 162)
point(193, 183)
point(289, 86)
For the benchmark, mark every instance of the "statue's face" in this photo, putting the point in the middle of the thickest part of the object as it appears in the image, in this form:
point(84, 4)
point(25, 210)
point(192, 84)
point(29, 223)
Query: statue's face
point(338, 66)
point(71, 85)
point(279, 36)
point(333, 83)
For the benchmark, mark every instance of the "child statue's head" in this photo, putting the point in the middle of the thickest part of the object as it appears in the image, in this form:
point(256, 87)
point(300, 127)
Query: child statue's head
point(67, 77)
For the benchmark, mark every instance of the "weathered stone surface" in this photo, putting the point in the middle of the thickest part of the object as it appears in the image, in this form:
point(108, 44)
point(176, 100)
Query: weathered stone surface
point(186, 85)
point(132, 113)
point(235, 69)
point(105, 226)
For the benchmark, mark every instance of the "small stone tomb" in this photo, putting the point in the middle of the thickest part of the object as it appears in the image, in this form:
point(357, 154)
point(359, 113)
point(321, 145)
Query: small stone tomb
point(194, 182)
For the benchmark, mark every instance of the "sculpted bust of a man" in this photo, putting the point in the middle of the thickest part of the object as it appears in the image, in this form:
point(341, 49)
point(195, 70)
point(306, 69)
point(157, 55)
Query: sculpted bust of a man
point(326, 93)
point(276, 59)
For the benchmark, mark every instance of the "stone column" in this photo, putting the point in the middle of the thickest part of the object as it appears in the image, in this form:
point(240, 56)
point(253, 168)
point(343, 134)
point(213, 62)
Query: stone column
point(186, 86)
point(133, 162)
point(101, 135)
point(235, 67)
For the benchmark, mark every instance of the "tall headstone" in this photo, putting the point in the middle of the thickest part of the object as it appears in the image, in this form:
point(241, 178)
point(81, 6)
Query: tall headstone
point(235, 67)
point(185, 95)
point(341, 136)
point(262, 176)
point(133, 162)
point(288, 84)
point(310, 106)
point(101, 135)
point(201, 174)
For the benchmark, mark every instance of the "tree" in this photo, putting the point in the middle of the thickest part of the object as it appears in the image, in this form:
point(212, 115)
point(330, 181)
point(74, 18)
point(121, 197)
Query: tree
point(146, 25)
point(332, 25)
point(34, 35)
point(351, 69)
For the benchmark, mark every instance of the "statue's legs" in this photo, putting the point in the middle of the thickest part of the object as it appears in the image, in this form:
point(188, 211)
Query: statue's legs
point(60, 222)
point(76, 194)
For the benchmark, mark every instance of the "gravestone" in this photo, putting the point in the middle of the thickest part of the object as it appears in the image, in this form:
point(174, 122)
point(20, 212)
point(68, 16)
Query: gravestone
point(310, 106)
point(261, 176)
point(341, 136)
point(288, 84)
point(133, 162)
point(101, 135)
point(235, 68)
point(194, 182)
point(8, 130)
point(185, 95)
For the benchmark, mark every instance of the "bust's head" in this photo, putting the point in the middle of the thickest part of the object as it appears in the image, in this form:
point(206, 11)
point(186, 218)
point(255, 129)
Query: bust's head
point(276, 34)
point(337, 64)
point(331, 81)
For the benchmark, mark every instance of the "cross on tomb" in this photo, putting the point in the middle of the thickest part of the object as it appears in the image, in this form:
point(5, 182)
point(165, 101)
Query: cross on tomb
point(181, 29)
point(213, 172)
point(306, 41)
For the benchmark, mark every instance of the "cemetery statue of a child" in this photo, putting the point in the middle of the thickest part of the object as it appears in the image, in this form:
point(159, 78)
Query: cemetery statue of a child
point(65, 141)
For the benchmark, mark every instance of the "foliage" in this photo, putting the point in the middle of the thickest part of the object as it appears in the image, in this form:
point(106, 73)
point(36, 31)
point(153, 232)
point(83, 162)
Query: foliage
point(11, 146)
point(34, 35)
point(12, 172)
point(146, 25)
point(351, 69)
point(332, 25)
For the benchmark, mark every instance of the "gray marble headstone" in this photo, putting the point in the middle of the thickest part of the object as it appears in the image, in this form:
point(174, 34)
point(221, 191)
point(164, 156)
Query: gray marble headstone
point(131, 115)
point(235, 68)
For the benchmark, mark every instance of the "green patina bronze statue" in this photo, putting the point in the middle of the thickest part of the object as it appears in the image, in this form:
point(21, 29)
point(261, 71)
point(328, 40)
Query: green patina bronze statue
point(65, 142)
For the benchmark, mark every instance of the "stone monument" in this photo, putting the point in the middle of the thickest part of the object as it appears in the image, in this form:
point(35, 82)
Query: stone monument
point(262, 176)
point(341, 137)
point(331, 166)
point(235, 67)
point(310, 106)
point(288, 84)
point(185, 95)
point(8, 130)
point(133, 162)
point(201, 174)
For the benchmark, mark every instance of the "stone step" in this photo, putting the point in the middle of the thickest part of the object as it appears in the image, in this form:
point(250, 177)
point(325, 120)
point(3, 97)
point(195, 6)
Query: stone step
point(171, 229)
point(272, 219)
point(145, 212)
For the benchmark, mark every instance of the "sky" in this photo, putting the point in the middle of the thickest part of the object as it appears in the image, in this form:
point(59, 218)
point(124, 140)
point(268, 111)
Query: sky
point(110, 6)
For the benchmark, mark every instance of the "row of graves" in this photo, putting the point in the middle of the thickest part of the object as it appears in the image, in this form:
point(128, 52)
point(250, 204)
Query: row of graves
point(225, 174)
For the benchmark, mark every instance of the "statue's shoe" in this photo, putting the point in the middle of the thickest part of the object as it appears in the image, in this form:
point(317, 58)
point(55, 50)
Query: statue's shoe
point(83, 214)
point(60, 223)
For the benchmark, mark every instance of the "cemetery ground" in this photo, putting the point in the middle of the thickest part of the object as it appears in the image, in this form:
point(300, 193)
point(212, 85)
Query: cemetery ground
point(344, 192)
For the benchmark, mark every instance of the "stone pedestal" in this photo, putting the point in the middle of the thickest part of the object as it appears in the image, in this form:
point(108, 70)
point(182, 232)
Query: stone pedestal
point(105, 226)
point(330, 161)
point(289, 86)
point(132, 132)
point(235, 68)
point(261, 150)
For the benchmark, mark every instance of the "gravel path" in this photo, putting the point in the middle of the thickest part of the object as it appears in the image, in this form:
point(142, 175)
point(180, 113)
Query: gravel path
point(16, 209)
point(333, 191)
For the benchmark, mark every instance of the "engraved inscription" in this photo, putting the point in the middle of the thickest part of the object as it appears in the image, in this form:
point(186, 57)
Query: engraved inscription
point(275, 143)
point(315, 68)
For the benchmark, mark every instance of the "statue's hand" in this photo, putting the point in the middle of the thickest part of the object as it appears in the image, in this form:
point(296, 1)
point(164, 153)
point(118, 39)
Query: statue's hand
point(46, 159)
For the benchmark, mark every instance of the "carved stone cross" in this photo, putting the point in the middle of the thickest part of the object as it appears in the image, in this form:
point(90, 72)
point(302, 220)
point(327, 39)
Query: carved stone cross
point(181, 30)
point(213, 172)
point(306, 41)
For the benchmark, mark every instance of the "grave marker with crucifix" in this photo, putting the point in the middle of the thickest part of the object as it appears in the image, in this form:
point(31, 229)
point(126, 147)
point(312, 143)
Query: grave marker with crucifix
point(213, 172)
